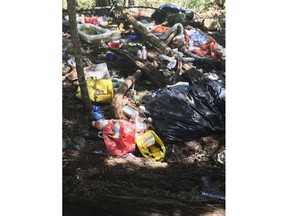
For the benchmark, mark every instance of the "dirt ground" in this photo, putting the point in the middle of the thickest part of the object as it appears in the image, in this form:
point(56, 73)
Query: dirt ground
point(95, 183)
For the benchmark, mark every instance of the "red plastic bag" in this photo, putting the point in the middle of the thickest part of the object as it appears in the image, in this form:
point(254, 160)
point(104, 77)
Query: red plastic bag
point(119, 136)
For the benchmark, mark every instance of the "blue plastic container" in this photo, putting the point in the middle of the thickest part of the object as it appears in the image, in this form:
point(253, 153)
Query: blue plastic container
point(133, 37)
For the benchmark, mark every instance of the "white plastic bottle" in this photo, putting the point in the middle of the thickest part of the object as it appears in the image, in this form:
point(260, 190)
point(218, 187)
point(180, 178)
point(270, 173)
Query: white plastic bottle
point(130, 112)
point(144, 53)
point(139, 54)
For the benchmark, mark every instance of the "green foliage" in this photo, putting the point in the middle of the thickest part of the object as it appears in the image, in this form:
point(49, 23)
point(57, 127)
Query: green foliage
point(199, 5)
point(64, 4)
point(85, 4)
point(80, 4)
point(195, 5)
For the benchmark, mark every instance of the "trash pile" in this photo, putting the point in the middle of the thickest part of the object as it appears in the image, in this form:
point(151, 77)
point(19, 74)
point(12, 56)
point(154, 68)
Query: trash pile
point(181, 67)
point(156, 130)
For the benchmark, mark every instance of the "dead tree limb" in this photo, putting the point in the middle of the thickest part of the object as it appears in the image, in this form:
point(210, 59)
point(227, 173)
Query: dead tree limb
point(147, 68)
point(118, 102)
point(149, 37)
point(145, 7)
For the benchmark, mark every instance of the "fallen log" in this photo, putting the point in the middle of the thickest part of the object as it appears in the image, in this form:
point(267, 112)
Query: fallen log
point(144, 7)
point(149, 37)
point(118, 102)
point(95, 10)
point(147, 68)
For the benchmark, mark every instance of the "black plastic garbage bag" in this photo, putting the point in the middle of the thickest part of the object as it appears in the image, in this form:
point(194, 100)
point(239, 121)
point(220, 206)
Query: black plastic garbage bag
point(160, 14)
point(185, 112)
point(171, 8)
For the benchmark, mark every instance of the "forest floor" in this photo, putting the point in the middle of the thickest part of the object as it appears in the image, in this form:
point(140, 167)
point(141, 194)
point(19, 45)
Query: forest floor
point(95, 183)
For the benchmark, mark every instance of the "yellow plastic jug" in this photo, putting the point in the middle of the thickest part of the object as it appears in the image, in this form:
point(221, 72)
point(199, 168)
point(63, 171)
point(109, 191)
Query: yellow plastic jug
point(151, 146)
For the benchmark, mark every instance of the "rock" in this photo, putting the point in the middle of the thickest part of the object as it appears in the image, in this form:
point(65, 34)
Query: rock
point(79, 143)
point(64, 145)
point(211, 24)
point(66, 141)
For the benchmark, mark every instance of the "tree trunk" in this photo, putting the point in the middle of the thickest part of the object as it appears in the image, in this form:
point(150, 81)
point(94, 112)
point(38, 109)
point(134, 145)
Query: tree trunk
point(78, 56)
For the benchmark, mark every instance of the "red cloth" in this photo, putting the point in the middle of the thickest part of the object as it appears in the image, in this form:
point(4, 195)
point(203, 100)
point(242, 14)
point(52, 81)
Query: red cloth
point(160, 29)
point(209, 48)
point(92, 20)
point(187, 38)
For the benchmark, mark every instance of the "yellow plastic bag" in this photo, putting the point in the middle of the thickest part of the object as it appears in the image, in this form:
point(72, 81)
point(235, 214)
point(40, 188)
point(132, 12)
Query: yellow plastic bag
point(151, 146)
point(99, 90)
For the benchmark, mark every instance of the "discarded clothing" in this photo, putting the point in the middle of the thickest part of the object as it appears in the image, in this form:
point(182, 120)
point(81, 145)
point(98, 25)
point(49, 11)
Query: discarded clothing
point(164, 32)
point(160, 29)
point(197, 39)
point(210, 48)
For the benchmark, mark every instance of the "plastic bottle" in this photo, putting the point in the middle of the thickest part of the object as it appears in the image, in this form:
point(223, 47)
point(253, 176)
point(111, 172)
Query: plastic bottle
point(172, 64)
point(139, 54)
point(144, 53)
point(130, 112)
point(156, 92)
point(140, 126)
point(99, 124)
